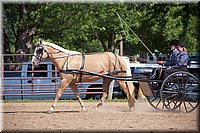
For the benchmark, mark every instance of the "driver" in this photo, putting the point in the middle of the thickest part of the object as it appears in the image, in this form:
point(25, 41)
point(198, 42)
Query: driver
point(172, 54)
point(156, 74)
point(181, 62)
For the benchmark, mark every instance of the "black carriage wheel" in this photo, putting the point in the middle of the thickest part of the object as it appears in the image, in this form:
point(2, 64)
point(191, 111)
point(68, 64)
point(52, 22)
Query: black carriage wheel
point(180, 92)
point(155, 102)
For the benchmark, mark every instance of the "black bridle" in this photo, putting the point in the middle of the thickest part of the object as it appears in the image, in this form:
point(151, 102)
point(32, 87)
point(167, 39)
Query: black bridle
point(40, 52)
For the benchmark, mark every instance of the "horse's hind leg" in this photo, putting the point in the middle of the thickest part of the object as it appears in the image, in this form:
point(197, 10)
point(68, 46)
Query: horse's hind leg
point(128, 88)
point(106, 83)
point(75, 90)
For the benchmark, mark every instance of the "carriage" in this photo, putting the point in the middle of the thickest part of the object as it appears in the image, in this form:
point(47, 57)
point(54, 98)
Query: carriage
point(180, 91)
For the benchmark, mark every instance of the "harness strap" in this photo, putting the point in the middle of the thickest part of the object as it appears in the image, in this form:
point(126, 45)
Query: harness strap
point(66, 60)
point(117, 59)
point(82, 67)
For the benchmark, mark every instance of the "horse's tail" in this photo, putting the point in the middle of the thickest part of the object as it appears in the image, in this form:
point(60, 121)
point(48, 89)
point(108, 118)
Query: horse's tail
point(129, 84)
point(128, 72)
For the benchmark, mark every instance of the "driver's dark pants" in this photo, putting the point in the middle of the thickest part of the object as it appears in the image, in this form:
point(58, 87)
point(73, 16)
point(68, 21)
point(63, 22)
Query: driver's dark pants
point(163, 72)
point(167, 72)
point(156, 73)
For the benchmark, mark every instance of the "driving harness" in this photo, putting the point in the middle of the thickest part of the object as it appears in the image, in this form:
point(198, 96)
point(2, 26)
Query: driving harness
point(82, 67)
point(81, 71)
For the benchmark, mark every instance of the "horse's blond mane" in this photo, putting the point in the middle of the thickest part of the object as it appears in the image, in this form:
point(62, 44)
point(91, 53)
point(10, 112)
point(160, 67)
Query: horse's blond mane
point(60, 48)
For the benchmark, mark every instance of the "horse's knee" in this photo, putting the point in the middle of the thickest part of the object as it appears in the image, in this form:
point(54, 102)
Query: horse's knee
point(105, 94)
point(58, 95)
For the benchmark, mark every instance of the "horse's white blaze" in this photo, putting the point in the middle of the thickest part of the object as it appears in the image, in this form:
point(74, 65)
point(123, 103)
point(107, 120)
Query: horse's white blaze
point(35, 61)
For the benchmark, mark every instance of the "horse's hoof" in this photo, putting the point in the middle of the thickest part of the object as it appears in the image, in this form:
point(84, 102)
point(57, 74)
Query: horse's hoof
point(98, 108)
point(49, 111)
point(131, 108)
point(83, 109)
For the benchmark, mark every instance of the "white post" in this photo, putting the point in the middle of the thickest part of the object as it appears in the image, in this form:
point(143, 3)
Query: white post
point(121, 48)
point(111, 86)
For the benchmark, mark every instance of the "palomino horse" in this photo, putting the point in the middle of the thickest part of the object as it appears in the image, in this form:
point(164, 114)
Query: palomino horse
point(101, 63)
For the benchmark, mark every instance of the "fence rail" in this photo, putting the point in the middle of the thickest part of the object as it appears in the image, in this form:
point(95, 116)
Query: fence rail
point(23, 81)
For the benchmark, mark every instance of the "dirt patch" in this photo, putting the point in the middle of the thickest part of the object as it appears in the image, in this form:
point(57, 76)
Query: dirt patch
point(113, 116)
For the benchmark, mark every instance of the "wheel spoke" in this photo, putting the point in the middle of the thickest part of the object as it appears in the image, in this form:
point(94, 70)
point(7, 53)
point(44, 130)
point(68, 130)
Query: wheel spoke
point(191, 105)
point(178, 82)
point(168, 104)
point(187, 79)
point(185, 106)
point(155, 102)
point(179, 108)
point(153, 99)
point(175, 104)
point(170, 96)
point(190, 99)
point(190, 84)
point(173, 84)
point(158, 103)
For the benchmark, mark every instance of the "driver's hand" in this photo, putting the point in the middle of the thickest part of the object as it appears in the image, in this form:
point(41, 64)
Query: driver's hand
point(161, 62)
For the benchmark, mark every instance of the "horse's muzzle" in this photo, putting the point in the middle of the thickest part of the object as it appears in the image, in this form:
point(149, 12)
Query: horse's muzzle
point(35, 61)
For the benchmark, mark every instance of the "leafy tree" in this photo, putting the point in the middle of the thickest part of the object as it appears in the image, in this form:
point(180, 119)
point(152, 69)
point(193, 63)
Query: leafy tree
point(173, 21)
point(18, 31)
point(93, 27)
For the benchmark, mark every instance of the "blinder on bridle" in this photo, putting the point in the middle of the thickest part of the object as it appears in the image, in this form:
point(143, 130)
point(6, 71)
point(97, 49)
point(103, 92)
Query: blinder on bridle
point(39, 52)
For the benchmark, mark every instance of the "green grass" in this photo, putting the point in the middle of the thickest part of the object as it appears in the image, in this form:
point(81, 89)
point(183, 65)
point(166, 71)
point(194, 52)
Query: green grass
point(89, 100)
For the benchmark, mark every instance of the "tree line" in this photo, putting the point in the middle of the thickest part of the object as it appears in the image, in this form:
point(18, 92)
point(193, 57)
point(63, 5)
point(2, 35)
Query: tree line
point(96, 27)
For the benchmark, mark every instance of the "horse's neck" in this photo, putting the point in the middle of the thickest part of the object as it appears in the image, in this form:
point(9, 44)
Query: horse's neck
point(54, 47)
point(60, 59)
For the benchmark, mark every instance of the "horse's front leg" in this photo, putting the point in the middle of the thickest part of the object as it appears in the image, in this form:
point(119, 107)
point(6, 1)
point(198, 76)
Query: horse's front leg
point(106, 83)
point(64, 84)
point(75, 90)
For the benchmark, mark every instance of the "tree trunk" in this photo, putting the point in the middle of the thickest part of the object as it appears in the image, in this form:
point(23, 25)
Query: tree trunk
point(24, 40)
point(104, 45)
point(6, 50)
point(6, 46)
point(111, 42)
point(25, 35)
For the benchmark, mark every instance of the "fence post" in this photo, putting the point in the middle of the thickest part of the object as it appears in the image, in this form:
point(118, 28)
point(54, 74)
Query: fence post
point(121, 47)
point(111, 86)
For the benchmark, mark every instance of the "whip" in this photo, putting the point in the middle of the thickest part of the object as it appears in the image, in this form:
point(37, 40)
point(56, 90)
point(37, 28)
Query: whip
point(121, 20)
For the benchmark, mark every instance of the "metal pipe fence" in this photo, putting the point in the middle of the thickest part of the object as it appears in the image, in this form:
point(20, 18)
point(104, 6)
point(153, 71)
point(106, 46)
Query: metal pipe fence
point(24, 81)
